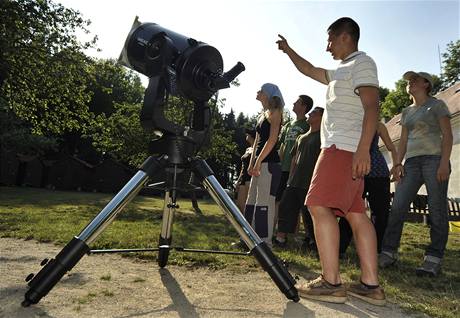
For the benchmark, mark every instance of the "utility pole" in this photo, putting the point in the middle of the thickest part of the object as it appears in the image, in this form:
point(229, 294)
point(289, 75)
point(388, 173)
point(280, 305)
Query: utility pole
point(440, 65)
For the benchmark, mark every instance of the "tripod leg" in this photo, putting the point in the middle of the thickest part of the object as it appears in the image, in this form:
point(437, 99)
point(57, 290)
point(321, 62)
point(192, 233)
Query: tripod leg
point(166, 229)
point(269, 262)
point(55, 269)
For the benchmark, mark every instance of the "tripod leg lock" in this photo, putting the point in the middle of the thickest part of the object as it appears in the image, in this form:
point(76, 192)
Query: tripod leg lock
point(152, 165)
point(54, 270)
point(201, 169)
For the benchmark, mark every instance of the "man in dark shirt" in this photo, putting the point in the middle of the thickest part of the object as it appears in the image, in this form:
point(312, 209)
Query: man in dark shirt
point(304, 155)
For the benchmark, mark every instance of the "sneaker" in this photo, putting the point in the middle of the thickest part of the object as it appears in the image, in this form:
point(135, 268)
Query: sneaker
point(387, 259)
point(431, 266)
point(374, 296)
point(320, 289)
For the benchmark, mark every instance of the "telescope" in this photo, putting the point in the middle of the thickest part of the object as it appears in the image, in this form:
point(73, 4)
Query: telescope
point(179, 66)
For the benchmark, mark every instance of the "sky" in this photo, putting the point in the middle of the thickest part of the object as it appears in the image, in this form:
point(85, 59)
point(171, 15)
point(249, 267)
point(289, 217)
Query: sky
point(398, 35)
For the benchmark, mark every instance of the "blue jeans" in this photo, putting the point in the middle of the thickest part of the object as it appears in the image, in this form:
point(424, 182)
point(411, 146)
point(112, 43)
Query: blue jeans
point(418, 171)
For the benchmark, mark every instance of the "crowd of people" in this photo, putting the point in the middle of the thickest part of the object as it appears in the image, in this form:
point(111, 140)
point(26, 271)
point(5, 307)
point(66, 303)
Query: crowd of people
point(323, 165)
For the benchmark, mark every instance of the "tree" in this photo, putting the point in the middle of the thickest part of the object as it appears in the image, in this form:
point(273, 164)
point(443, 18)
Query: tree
point(112, 83)
point(43, 68)
point(451, 65)
point(15, 135)
point(437, 84)
point(396, 100)
point(383, 92)
point(122, 136)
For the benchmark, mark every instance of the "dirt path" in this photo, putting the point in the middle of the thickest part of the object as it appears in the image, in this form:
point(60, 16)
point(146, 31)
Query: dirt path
point(113, 286)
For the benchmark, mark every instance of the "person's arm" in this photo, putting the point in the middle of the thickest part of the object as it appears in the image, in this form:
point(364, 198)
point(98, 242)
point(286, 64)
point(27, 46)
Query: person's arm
point(282, 139)
point(305, 67)
point(383, 133)
point(253, 154)
point(294, 154)
point(398, 170)
point(275, 121)
point(446, 148)
point(369, 96)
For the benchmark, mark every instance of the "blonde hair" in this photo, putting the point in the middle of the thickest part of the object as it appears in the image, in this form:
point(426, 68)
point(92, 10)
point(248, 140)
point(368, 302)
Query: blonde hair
point(275, 103)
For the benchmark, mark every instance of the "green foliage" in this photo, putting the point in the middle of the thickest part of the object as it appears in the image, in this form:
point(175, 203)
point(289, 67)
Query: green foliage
point(112, 83)
point(396, 100)
point(42, 65)
point(15, 135)
point(451, 65)
point(121, 135)
point(383, 92)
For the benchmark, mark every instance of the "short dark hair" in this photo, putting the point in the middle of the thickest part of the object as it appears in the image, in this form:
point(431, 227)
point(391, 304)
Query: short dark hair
point(347, 25)
point(307, 102)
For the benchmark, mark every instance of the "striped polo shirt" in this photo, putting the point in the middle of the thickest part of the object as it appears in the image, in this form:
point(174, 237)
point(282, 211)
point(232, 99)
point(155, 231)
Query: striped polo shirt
point(343, 115)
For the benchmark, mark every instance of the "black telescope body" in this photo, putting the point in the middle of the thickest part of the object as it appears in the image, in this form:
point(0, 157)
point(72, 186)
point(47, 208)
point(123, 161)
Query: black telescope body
point(176, 65)
point(194, 69)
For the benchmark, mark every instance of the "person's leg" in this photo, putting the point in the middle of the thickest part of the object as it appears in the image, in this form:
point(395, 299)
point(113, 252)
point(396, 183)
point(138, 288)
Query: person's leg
point(404, 195)
point(328, 287)
point(243, 190)
point(346, 235)
point(379, 198)
point(439, 221)
point(327, 242)
point(309, 229)
point(288, 212)
point(367, 288)
point(279, 195)
point(366, 246)
point(264, 212)
point(251, 201)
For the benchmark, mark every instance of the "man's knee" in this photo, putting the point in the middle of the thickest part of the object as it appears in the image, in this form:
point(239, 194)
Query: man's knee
point(356, 220)
point(318, 212)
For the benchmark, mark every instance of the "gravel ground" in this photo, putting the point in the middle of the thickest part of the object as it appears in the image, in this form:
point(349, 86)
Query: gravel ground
point(108, 285)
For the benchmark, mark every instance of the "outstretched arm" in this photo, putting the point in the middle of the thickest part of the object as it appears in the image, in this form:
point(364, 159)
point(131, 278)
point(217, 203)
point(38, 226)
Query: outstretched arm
point(305, 67)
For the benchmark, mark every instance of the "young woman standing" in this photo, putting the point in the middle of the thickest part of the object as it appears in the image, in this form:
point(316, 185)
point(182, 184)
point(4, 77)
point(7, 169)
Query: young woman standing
point(265, 166)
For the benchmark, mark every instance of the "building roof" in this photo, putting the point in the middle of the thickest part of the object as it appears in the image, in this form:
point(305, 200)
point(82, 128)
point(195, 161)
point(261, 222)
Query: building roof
point(450, 96)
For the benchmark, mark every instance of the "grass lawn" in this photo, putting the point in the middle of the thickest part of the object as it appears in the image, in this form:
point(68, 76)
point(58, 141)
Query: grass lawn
point(57, 216)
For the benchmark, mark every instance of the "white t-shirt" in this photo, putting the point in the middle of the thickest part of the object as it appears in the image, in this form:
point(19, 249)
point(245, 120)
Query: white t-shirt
point(343, 116)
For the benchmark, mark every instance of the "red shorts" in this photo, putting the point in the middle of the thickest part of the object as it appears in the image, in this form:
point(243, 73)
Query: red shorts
point(332, 184)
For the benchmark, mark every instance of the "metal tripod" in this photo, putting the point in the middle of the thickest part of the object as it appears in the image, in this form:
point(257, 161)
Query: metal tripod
point(175, 156)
